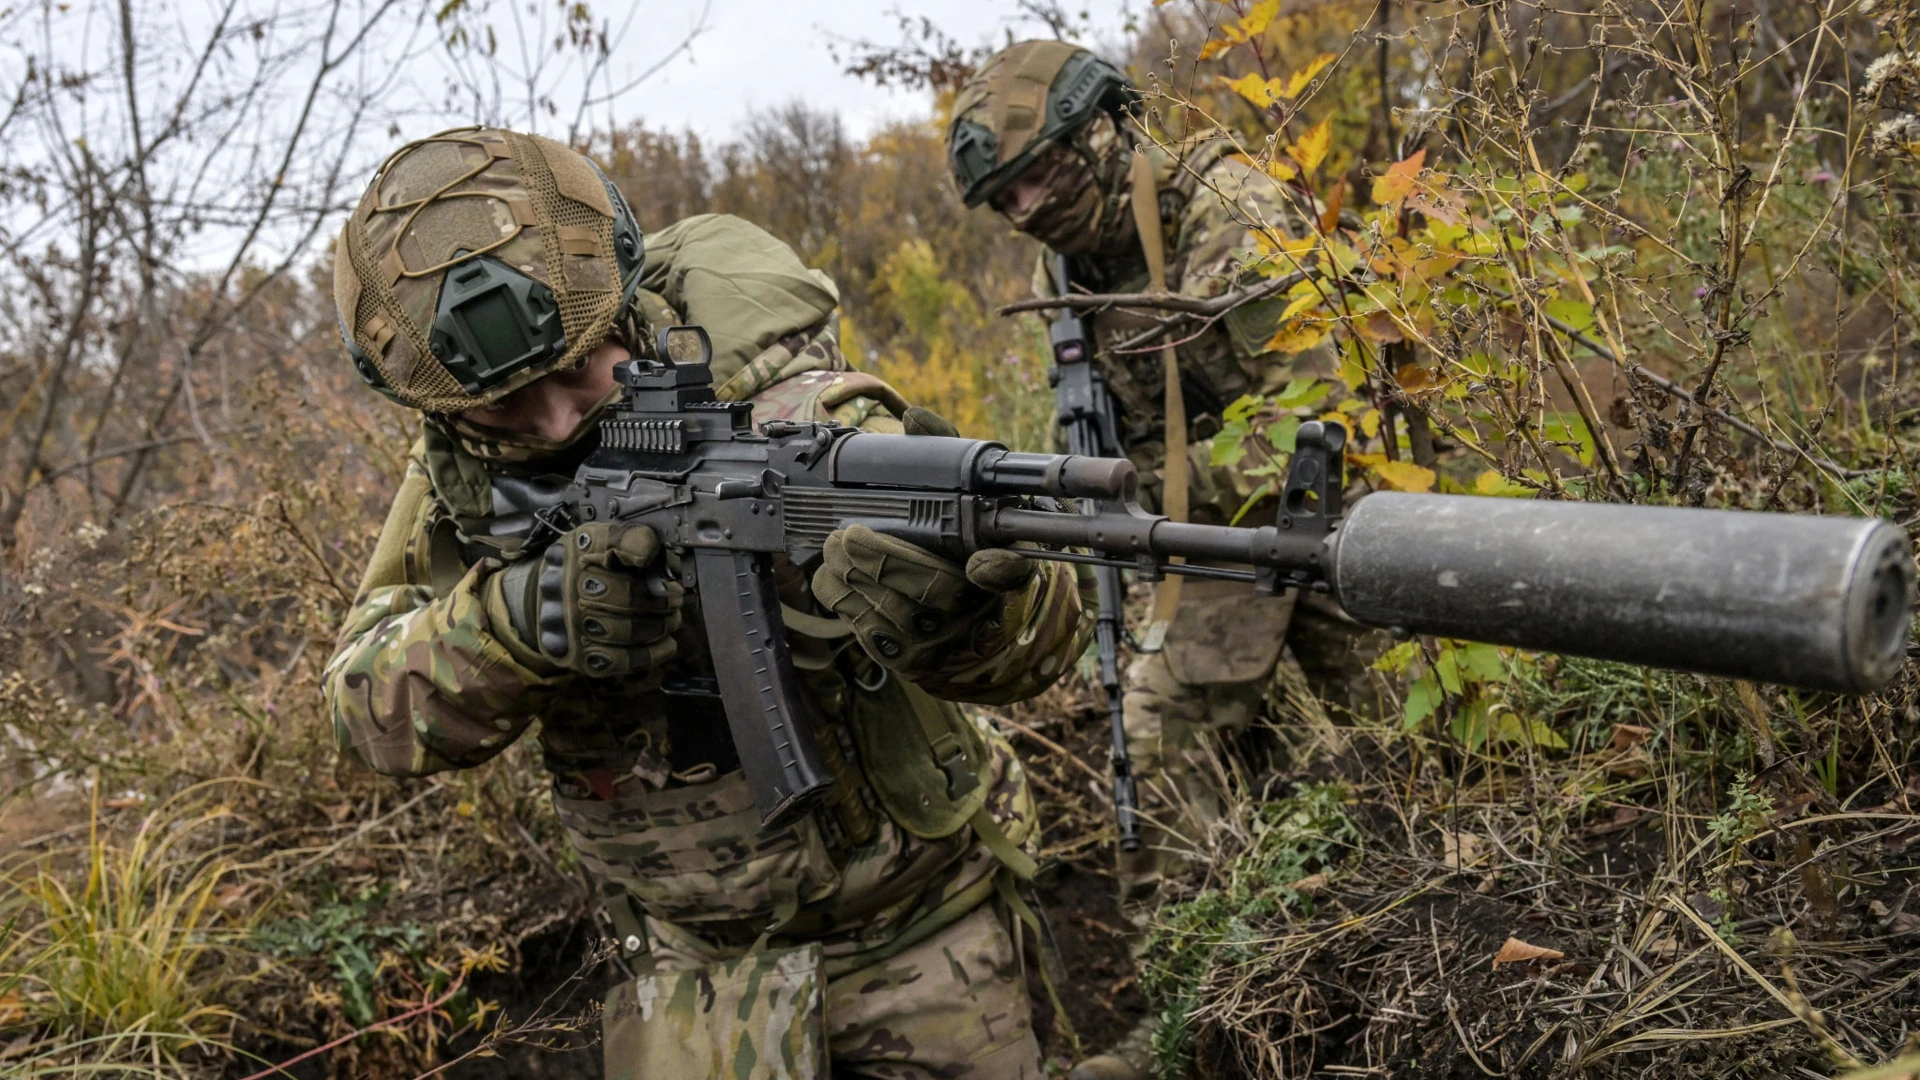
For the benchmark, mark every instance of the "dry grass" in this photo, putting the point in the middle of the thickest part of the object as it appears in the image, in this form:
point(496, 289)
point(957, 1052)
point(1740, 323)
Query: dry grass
point(131, 959)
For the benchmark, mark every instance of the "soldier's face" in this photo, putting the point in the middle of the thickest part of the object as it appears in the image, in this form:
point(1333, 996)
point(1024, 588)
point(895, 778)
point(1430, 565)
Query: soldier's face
point(552, 408)
point(1021, 195)
point(1056, 200)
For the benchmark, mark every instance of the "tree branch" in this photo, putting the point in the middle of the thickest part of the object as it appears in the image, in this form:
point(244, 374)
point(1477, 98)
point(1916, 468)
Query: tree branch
point(1185, 305)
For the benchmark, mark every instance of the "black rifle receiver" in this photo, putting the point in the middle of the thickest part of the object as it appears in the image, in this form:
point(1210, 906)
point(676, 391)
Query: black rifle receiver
point(1818, 602)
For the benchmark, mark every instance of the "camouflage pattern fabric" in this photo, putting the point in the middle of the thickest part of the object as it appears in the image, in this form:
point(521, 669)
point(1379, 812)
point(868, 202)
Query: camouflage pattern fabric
point(952, 1006)
point(1182, 701)
point(762, 1015)
point(911, 609)
point(443, 204)
point(1208, 240)
point(1221, 651)
point(421, 681)
point(739, 281)
point(1083, 205)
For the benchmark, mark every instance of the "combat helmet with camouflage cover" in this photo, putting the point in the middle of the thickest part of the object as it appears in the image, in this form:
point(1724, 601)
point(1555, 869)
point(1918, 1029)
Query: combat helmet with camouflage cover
point(1024, 99)
point(479, 260)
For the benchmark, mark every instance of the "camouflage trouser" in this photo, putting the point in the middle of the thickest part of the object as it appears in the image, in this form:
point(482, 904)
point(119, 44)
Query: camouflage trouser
point(1212, 678)
point(952, 1006)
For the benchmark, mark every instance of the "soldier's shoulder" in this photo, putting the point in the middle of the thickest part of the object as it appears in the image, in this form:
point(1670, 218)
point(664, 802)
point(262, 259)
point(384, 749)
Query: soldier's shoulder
point(1224, 169)
point(812, 380)
point(417, 456)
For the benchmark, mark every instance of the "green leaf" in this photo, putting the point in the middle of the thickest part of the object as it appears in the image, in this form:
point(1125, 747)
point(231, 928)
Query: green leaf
point(1259, 493)
point(1243, 409)
point(1481, 663)
point(1569, 428)
point(1301, 394)
point(1353, 365)
point(1470, 725)
point(1572, 312)
point(1281, 434)
point(1511, 728)
point(1395, 660)
point(1448, 668)
point(1229, 446)
point(1422, 698)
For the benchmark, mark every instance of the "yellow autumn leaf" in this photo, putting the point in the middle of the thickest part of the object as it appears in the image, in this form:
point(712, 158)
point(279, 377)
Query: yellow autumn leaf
point(1295, 339)
point(1299, 80)
point(1413, 377)
point(1312, 148)
point(1370, 423)
point(1253, 88)
point(1492, 483)
point(1281, 171)
point(1299, 304)
point(1289, 246)
point(1212, 48)
point(1258, 19)
point(1405, 476)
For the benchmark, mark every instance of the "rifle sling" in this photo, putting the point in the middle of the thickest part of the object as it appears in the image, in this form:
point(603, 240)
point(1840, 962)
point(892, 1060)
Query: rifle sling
point(1173, 490)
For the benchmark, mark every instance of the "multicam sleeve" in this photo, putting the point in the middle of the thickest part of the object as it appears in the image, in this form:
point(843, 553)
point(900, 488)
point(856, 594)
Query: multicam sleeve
point(1040, 632)
point(418, 683)
point(1233, 201)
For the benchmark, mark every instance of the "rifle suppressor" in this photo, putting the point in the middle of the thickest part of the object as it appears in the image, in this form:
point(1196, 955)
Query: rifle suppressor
point(1818, 602)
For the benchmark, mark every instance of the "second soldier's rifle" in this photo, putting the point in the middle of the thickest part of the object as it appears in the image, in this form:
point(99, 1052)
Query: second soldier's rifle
point(1819, 602)
point(1083, 408)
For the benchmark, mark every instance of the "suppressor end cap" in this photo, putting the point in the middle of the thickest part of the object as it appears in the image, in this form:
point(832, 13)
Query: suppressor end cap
point(1878, 607)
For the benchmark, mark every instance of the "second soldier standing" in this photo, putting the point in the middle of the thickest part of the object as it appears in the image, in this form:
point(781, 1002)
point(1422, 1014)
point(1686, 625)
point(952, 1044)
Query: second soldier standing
point(1042, 134)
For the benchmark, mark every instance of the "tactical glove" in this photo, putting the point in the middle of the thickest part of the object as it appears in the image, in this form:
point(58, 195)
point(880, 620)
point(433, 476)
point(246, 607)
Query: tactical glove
point(910, 607)
point(599, 601)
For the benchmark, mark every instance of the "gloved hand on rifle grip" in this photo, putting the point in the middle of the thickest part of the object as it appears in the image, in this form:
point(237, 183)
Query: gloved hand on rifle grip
point(600, 601)
point(909, 607)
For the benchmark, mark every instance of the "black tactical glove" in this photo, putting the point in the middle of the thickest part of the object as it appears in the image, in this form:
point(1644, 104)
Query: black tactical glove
point(599, 601)
point(909, 606)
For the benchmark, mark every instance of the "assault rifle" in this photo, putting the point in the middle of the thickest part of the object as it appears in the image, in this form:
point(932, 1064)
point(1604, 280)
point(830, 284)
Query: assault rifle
point(1083, 407)
point(1817, 602)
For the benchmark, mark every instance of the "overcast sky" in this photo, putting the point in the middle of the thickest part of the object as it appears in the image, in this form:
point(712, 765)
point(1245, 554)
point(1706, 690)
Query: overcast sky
point(760, 53)
point(401, 79)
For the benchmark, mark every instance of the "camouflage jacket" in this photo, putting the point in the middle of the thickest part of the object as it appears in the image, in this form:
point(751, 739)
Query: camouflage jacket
point(644, 780)
point(1209, 203)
